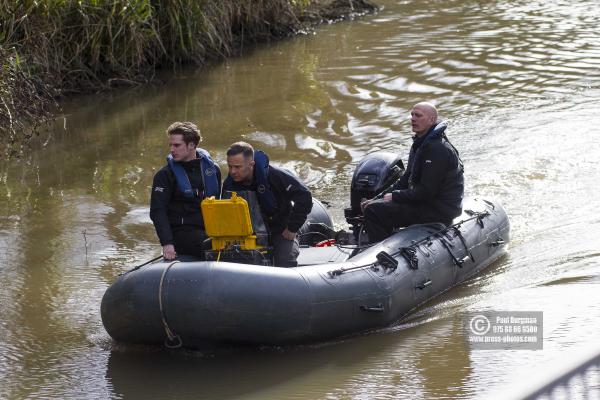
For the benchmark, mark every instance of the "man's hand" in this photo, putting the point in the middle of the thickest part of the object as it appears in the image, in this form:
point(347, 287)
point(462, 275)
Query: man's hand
point(169, 252)
point(288, 235)
point(364, 204)
point(387, 197)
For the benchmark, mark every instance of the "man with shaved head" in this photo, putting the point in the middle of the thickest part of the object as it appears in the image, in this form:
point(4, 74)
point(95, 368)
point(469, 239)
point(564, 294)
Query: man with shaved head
point(431, 188)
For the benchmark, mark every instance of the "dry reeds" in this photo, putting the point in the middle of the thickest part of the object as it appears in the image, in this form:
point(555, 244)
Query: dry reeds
point(25, 101)
point(53, 47)
point(82, 45)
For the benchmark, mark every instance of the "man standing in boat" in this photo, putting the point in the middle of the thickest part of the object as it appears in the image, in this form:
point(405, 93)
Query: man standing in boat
point(177, 190)
point(432, 186)
point(284, 201)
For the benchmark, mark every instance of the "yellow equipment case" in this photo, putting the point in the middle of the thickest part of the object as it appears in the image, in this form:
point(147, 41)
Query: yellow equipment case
point(228, 224)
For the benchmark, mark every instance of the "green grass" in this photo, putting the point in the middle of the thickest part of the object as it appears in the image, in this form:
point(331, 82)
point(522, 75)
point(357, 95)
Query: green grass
point(78, 45)
point(49, 48)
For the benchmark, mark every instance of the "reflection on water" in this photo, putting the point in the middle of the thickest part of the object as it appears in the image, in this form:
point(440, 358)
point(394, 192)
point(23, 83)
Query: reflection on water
point(392, 363)
point(519, 83)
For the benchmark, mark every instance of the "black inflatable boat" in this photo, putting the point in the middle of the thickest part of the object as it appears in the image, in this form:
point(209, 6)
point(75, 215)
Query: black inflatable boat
point(335, 291)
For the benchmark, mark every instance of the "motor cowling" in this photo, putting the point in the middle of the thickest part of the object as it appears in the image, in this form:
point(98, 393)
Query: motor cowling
point(318, 225)
point(373, 175)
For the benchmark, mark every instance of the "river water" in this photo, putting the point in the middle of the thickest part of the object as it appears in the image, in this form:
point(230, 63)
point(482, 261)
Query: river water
point(519, 83)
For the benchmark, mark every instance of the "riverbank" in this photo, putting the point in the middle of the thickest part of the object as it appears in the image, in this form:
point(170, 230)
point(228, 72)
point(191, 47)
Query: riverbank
point(49, 50)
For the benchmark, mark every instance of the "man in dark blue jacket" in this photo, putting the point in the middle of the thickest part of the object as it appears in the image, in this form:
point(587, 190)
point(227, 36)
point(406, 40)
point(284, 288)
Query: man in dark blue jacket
point(284, 201)
point(431, 188)
point(177, 190)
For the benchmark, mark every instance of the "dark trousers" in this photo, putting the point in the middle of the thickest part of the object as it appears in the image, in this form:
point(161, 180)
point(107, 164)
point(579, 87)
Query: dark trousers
point(191, 240)
point(285, 252)
point(381, 217)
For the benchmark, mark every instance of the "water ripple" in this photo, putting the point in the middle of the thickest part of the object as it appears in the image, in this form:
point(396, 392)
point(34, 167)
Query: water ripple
point(517, 80)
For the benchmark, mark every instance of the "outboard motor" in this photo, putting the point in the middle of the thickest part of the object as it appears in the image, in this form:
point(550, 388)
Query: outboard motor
point(372, 176)
point(318, 226)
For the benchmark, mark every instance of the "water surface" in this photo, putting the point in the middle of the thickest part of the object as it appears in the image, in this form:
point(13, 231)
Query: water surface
point(519, 83)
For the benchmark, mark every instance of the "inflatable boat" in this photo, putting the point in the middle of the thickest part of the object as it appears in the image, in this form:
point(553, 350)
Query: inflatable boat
point(339, 288)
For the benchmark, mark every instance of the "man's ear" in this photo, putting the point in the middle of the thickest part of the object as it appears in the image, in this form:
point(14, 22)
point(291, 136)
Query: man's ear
point(251, 163)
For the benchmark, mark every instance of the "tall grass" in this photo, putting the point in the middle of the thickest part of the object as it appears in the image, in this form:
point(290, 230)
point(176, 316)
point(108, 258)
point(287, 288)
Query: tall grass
point(25, 102)
point(81, 44)
point(55, 47)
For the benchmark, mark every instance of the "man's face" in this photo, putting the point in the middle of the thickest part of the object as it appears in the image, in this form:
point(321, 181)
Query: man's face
point(180, 150)
point(241, 169)
point(421, 119)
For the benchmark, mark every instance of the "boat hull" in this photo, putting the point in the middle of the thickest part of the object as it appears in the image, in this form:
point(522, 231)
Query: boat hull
point(200, 303)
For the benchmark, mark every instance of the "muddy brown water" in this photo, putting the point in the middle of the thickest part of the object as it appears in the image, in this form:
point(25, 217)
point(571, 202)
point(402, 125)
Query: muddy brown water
point(519, 83)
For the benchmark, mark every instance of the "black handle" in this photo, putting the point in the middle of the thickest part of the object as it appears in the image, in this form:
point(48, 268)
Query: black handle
point(377, 308)
point(424, 284)
point(497, 243)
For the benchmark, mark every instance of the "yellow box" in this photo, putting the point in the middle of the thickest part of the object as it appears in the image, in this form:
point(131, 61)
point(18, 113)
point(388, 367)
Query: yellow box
point(227, 222)
point(245, 243)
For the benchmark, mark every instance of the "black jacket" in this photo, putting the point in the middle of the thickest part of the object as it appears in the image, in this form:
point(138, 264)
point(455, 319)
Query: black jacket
point(433, 178)
point(169, 208)
point(286, 189)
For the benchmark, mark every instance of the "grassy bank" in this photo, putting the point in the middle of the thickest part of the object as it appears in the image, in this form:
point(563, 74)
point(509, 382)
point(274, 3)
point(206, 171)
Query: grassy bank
point(25, 101)
point(51, 48)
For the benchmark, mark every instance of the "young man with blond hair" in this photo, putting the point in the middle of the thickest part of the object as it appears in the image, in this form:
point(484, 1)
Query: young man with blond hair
point(177, 190)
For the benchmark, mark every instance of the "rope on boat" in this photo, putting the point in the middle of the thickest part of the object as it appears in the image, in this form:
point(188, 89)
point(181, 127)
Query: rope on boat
point(173, 341)
point(405, 252)
point(141, 265)
point(462, 240)
point(456, 261)
point(410, 254)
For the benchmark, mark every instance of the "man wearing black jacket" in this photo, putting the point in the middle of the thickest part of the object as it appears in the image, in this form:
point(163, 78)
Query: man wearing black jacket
point(284, 201)
point(431, 189)
point(177, 190)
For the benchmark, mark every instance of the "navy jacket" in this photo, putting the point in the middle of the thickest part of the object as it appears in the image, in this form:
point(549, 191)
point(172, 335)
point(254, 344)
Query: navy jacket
point(433, 178)
point(170, 208)
point(286, 189)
